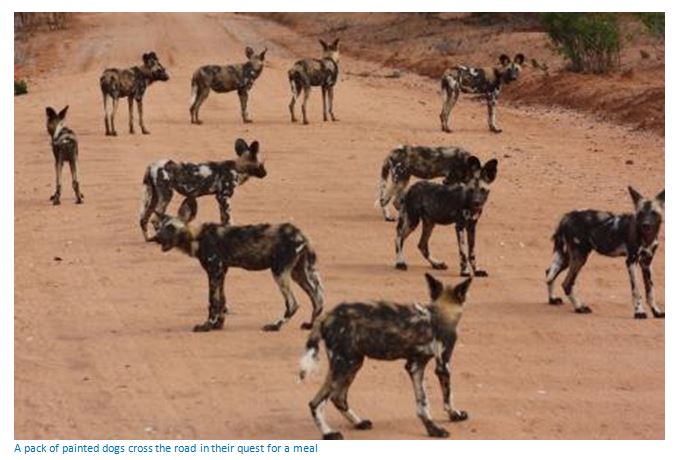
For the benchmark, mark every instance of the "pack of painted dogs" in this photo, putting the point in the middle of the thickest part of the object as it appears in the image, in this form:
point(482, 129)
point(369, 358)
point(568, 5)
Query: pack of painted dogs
point(385, 330)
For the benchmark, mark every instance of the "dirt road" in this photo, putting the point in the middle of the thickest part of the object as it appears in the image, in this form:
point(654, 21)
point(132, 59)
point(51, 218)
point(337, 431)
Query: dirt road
point(103, 341)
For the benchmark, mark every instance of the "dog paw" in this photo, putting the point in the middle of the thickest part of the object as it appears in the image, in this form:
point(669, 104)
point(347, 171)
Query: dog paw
point(555, 301)
point(481, 273)
point(496, 130)
point(435, 431)
point(458, 416)
point(205, 327)
point(364, 425)
point(271, 327)
point(401, 266)
point(307, 325)
point(640, 315)
point(440, 266)
point(658, 314)
point(335, 435)
point(583, 309)
point(389, 219)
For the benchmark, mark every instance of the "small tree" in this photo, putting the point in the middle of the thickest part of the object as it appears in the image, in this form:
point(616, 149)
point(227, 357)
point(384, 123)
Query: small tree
point(591, 41)
point(20, 87)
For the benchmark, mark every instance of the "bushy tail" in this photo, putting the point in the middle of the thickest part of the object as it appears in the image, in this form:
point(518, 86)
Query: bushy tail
point(559, 237)
point(309, 362)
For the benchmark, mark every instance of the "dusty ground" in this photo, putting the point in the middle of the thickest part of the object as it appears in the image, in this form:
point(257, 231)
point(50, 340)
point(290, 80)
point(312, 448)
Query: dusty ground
point(103, 341)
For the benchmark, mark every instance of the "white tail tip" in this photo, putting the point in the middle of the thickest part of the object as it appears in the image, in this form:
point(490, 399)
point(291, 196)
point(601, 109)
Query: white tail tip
point(308, 363)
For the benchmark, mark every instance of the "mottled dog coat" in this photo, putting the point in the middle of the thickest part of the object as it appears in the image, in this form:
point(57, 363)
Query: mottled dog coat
point(282, 249)
point(387, 331)
point(218, 178)
point(632, 235)
point(486, 81)
point(130, 83)
point(460, 204)
point(316, 72)
point(423, 162)
point(64, 144)
point(226, 78)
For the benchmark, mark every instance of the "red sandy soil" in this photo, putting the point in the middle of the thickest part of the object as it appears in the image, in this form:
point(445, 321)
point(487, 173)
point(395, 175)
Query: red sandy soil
point(103, 341)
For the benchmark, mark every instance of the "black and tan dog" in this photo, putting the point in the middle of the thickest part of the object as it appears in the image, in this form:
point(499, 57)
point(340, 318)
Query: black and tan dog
point(283, 249)
point(387, 331)
point(460, 204)
point(487, 82)
point(219, 178)
point(64, 144)
point(130, 83)
point(226, 78)
point(316, 72)
point(423, 162)
point(632, 235)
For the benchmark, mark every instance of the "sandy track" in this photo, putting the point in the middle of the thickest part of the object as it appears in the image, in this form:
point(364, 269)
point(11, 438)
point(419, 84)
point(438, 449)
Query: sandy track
point(103, 347)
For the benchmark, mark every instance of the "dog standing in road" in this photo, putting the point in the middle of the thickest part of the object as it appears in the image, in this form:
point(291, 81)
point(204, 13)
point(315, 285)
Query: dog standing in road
point(316, 72)
point(64, 144)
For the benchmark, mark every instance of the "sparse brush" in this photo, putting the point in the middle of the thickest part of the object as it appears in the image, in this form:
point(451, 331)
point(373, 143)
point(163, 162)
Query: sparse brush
point(20, 87)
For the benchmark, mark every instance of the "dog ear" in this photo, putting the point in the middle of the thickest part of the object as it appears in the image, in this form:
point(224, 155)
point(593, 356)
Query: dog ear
point(461, 290)
point(434, 286)
point(262, 55)
point(249, 52)
point(323, 44)
point(241, 147)
point(62, 113)
point(473, 165)
point(636, 196)
point(145, 57)
point(50, 113)
point(519, 58)
point(334, 45)
point(661, 199)
point(504, 60)
point(254, 148)
point(489, 171)
point(153, 55)
point(188, 210)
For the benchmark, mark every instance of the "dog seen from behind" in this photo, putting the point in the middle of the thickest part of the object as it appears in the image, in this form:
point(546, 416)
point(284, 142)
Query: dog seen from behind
point(460, 204)
point(316, 72)
point(282, 249)
point(64, 144)
point(632, 235)
point(387, 331)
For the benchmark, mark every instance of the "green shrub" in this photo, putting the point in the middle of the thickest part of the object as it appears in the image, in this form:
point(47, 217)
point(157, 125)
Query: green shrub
point(591, 41)
point(20, 87)
point(654, 22)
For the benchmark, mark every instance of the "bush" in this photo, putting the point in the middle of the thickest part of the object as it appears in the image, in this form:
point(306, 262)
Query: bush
point(654, 22)
point(591, 41)
point(20, 87)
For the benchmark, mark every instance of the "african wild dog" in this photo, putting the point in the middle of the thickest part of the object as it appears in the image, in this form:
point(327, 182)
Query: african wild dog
point(64, 144)
point(460, 204)
point(283, 249)
point(424, 162)
point(633, 235)
point(387, 331)
point(486, 81)
point(219, 178)
point(316, 72)
point(130, 83)
point(223, 79)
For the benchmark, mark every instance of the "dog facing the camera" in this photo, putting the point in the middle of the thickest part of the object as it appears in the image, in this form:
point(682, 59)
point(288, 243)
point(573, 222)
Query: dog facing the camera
point(632, 235)
point(460, 204)
point(130, 83)
point(64, 144)
point(316, 72)
point(282, 249)
point(423, 162)
point(387, 331)
point(223, 79)
point(487, 82)
point(219, 178)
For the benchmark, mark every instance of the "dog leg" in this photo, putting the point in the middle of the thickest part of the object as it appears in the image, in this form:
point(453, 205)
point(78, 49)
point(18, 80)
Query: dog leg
point(290, 302)
point(108, 131)
point(224, 207)
point(404, 227)
point(324, 92)
point(639, 312)
point(450, 97)
point(465, 269)
point(148, 206)
point(442, 370)
point(56, 197)
point(339, 395)
point(307, 90)
point(649, 289)
point(416, 370)
point(576, 261)
point(243, 97)
point(425, 250)
point(471, 241)
point(560, 262)
point(316, 405)
point(217, 301)
point(330, 104)
point(306, 276)
point(115, 105)
point(76, 186)
point(202, 94)
point(491, 105)
point(130, 101)
point(139, 106)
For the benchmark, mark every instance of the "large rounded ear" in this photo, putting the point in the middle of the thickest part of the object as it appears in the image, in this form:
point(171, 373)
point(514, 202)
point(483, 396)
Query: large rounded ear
point(323, 44)
point(188, 210)
point(636, 196)
point(249, 52)
point(661, 199)
point(50, 112)
point(153, 55)
point(504, 60)
point(145, 58)
point(254, 147)
point(489, 171)
point(434, 286)
point(62, 113)
point(241, 147)
point(334, 45)
point(473, 165)
point(262, 55)
point(519, 58)
point(461, 290)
